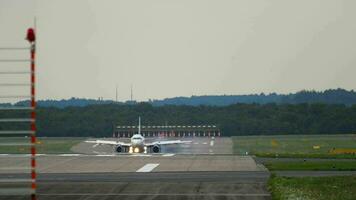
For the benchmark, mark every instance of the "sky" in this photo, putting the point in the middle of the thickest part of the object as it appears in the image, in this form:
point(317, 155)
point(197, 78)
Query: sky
point(168, 48)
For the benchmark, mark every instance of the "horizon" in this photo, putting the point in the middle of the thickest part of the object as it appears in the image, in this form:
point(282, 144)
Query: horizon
point(167, 98)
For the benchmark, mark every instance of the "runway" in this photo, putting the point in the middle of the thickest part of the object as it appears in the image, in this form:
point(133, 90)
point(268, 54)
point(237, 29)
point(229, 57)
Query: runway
point(168, 185)
point(77, 163)
point(204, 169)
point(237, 177)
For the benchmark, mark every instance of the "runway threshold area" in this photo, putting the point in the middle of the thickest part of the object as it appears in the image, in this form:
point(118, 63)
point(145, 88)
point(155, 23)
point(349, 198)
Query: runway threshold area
point(159, 185)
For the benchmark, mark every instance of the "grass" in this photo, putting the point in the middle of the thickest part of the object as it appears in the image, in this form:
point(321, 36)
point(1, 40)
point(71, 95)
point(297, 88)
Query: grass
point(313, 188)
point(43, 145)
point(313, 165)
point(305, 155)
point(295, 146)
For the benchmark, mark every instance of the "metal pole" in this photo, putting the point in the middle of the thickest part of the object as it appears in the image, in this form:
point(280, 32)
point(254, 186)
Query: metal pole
point(33, 122)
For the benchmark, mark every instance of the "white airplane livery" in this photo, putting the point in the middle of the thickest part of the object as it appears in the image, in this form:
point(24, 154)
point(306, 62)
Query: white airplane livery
point(137, 143)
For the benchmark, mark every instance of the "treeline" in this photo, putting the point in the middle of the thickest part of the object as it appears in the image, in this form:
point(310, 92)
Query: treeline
point(237, 119)
point(332, 96)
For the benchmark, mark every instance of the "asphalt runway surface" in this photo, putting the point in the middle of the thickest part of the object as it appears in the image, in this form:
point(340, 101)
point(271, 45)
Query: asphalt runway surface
point(203, 169)
point(238, 177)
point(161, 185)
point(78, 177)
point(77, 163)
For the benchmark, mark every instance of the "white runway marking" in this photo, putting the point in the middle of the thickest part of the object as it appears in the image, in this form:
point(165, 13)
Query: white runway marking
point(20, 155)
point(140, 155)
point(148, 167)
point(106, 155)
point(69, 154)
point(168, 155)
point(10, 180)
point(205, 143)
point(212, 143)
point(158, 194)
point(15, 168)
point(196, 143)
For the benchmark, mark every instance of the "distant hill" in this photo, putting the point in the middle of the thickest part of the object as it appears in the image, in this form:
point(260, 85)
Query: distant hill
point(332, 96)
point(74, 102)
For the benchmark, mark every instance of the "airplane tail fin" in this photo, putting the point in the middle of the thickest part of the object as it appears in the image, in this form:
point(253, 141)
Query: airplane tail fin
point(139, 125)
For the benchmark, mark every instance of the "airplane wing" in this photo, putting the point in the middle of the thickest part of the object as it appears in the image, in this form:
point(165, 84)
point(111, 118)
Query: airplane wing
point(108, 142)
point(167, 142)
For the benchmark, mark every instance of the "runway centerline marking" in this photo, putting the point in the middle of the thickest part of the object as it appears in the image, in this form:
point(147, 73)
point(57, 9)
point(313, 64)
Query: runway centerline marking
point(69, 154)
point(168, 155)
point(140, 155)
point(148, 167)
point(205, 143)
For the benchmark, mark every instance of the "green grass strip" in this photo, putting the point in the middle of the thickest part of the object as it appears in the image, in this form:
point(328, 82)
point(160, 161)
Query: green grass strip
point(313, 165)
point(313, 188)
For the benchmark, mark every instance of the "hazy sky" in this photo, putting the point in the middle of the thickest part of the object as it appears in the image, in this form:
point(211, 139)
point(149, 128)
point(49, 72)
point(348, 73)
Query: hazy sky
point(169, 48)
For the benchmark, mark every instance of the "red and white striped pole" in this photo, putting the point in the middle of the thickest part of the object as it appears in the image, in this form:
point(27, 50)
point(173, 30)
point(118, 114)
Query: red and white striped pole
point(31, 37)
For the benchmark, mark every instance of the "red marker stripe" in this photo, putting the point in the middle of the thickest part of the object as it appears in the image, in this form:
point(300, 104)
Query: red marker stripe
point(32, 55)
point(33, 91)
point(33, 174)
point(33, 115)
point(33, 151)
point(33, 162)
point(33, 139)
point(33, 103)
point(33, 126)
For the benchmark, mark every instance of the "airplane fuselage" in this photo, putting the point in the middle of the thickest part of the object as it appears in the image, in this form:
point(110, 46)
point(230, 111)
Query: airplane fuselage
point(137, 144)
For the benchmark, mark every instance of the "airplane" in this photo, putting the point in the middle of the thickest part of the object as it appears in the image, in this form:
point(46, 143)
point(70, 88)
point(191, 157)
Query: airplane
point(137, 143)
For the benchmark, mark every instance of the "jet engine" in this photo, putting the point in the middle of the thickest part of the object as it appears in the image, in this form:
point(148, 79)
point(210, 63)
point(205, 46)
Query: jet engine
point(156, 149)
point(119, 149)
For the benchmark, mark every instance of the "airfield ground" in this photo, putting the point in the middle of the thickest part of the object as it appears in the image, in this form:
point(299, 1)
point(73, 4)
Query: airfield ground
point(208, 168)
point(76, 163)
point(46, 145)
point(204, 169)
point(297, 146)
point(331, 187)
